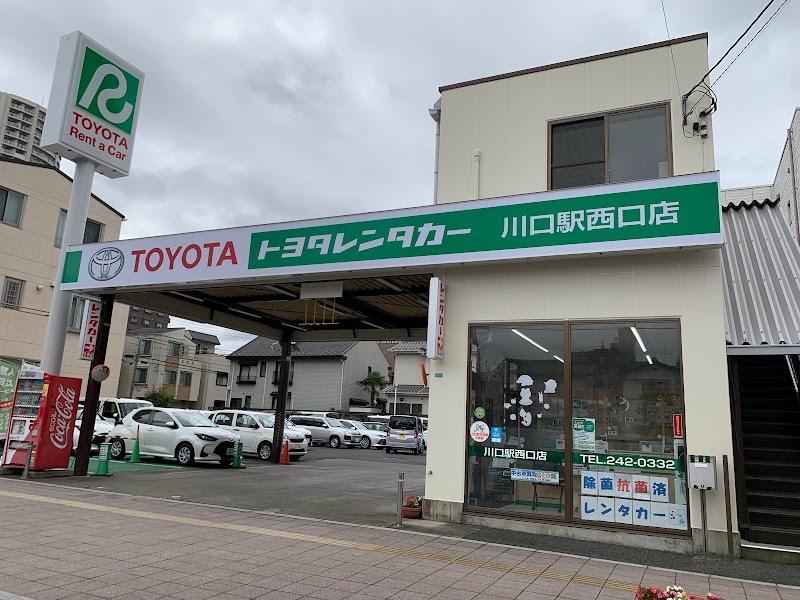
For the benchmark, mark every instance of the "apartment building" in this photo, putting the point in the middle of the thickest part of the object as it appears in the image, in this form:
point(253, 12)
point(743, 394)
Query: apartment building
point(144, 318)
point(33, 207)
point(21, 123)
point(177, 361)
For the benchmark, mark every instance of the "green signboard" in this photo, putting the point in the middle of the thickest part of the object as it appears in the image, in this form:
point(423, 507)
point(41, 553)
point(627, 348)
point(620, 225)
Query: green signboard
point(588, 459)
point(8, 383)
point(661, 214)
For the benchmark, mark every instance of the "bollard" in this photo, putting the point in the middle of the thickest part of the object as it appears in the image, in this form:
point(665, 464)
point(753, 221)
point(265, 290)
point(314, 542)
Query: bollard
point(237, 457)
point(400, 480)
point(135, 458)
point(28, 456)
point(102, 461)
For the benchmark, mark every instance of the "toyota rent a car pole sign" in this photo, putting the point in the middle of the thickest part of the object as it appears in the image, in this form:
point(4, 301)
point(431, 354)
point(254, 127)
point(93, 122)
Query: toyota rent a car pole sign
point(91, 119)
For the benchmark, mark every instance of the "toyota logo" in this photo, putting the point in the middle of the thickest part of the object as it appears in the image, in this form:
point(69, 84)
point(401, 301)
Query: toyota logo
point(106, 264)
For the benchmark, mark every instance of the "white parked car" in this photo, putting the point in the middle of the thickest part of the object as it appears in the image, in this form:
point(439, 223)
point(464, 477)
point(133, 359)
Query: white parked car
point(369, 436)
point(257, 430)
point(114, 410)
point(328, 431)
point(183, 434)
point(101, 429)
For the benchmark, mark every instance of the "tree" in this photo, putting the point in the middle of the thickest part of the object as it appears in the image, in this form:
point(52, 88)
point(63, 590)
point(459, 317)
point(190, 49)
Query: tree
point(160, 398)
point(373, 383)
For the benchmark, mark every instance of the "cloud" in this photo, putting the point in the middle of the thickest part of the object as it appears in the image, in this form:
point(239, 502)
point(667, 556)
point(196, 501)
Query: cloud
point(272, 111)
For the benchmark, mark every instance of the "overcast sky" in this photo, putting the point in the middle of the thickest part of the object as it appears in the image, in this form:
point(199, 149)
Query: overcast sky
point(257, 112)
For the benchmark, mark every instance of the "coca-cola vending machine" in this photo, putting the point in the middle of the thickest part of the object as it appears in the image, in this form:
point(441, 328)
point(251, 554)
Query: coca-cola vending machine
point(43, 413)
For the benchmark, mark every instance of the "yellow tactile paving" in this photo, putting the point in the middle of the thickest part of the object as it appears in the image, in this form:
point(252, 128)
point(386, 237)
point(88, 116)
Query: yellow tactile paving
point(265, 531)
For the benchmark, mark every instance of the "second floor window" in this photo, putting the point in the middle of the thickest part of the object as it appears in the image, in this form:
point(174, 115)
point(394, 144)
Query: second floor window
point(222, 378)
point(610, 148)
point(185, 378)
point(10, 207)
point(174, 349)
point(170, 377)
point(91, 234)
point(12, 293)
point(145, 347)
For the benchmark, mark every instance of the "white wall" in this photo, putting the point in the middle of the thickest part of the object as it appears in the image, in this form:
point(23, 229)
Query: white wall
point(406, 368)
point(360, 358)
point(507, 120)
point(683, 284)
point(782, 187)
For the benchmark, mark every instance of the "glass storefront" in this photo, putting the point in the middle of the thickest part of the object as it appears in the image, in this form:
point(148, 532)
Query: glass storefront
point(593, 433)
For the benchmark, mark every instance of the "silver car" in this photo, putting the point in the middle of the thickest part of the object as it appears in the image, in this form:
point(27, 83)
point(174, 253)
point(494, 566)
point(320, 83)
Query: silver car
point(325, 430)
point(405, 432)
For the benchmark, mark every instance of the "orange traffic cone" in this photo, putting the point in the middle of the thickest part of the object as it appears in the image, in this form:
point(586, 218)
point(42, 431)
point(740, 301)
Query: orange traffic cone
point(285, 453)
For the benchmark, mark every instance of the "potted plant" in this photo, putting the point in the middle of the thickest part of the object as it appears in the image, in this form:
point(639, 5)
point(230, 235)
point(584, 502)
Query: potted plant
point(412, 507)
point(671, 593)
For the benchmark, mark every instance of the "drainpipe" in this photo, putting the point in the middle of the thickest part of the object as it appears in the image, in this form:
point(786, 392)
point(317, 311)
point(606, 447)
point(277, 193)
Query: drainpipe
point(436, 115)
point(794, 187)
point(264, 394)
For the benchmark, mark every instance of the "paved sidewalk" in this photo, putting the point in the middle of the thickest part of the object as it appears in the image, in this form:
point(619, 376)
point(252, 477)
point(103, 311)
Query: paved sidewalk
point(60, 543)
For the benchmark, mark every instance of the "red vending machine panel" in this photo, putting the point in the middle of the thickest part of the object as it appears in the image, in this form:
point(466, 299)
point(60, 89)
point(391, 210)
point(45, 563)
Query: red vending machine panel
point(44, 413)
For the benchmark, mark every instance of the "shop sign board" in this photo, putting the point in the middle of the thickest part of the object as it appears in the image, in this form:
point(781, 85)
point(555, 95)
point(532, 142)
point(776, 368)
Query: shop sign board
point(583, 434)
point(435, 345)
point(94, 105)
point(90, 330)
point(677, 425)
point(660, 214)
point(635, 461)
point(8, 383)
point(545, 477)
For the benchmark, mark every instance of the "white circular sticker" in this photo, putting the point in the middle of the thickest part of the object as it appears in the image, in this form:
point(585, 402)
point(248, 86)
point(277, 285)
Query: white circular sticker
point(479, 431)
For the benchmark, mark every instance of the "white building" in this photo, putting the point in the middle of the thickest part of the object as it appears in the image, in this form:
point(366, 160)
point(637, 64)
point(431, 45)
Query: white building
point(21, 123)
point(787, 181)
point(408, 394)
point(323, 376)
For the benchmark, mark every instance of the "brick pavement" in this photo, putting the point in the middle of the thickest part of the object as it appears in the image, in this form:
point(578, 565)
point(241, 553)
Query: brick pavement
point(65, 543)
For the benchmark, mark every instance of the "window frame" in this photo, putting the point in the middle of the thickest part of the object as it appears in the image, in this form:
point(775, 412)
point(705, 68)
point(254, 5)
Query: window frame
point(74, 313)
point(568, 465)
point(137, 371)
point(185, 376)
point(220, 375)
point(20, 294)
point(58, 240)
point(22, 204)
point(170, 380)
point(666, 105)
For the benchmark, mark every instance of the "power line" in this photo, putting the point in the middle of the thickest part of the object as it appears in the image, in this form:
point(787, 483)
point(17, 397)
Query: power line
point(669, 39)
point(775, 14)
point(728, 51)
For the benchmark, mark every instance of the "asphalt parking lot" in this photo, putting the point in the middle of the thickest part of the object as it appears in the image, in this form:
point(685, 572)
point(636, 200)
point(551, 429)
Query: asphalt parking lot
point(351, 485)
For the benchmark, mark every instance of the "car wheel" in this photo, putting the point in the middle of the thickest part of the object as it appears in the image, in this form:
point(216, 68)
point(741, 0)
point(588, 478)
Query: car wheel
point(388, 450)
point(265, 451)
point(415, 451)
point(117, 449)
point(334, 442)
point(185, 454)
point(366, 443)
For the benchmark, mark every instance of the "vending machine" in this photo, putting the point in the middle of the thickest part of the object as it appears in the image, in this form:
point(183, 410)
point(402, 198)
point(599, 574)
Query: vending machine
point(43, 413)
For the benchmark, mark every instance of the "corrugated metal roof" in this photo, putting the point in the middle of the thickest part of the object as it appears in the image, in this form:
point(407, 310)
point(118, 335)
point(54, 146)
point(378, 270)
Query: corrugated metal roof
point(761, 270)
point(408, 390)
point(408, 347)
point(262, 347)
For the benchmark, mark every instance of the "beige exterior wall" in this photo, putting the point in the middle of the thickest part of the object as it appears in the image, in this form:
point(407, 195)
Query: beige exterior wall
point(506, 120)
point(28, 253)
point(783, 187)
point(406, 368)
point(685, 285)
point(209, 391)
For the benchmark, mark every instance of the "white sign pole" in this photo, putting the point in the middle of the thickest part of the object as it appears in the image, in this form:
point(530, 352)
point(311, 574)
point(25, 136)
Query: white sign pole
point(56, 332)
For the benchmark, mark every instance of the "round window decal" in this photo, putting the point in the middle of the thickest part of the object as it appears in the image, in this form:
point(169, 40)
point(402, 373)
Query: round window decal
point(479, 431)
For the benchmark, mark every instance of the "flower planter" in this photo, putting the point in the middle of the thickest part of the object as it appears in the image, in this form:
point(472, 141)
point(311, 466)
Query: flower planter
point(412, 513)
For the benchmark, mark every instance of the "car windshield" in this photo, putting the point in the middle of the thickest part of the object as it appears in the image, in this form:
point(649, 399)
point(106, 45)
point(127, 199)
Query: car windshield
point(266, 419)
point(335, 423)
point(192, 419)
point(127, 407)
